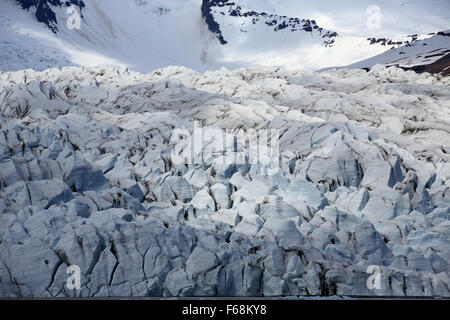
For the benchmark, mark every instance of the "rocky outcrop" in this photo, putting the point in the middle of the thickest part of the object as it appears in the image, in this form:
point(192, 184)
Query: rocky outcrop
point(211, 9)
point(44, 10)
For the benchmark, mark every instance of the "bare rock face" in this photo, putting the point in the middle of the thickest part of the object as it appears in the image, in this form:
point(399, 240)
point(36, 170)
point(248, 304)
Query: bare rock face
point(103, 172)
point(212, 9)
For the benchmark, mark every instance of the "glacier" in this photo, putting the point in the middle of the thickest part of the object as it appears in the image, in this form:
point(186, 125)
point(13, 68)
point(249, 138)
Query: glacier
point(88, 178)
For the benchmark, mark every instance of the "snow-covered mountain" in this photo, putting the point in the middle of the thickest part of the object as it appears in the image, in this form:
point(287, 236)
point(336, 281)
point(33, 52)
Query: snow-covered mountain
point(431, 54)
point(223, 16)
point(200, 34)
point(142, 35)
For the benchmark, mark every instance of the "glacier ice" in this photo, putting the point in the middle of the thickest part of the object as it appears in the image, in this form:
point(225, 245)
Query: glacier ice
point(87, 178)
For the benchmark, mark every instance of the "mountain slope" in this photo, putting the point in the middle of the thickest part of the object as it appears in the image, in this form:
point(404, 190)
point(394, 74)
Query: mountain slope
point(145, 35)
point(414, 56)
point(142, 35)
